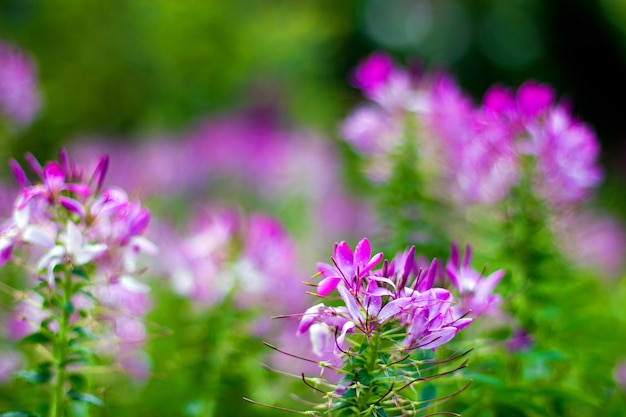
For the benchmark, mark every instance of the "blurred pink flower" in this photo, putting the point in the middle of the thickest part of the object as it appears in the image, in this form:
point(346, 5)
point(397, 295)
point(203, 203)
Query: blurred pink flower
point(10, 362)
point(592, 239)
point(20, 99)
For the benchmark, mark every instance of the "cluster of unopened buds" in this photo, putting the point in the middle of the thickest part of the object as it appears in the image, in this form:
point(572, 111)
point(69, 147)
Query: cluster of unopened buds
point(379, 339)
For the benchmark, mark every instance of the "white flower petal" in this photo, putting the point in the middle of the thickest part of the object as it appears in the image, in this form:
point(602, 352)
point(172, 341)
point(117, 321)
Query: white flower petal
point(74, 240)
point(49, 257)
point(88, 253)
point(21, 216)
point(133, 285)
point(144, 245)
point(39, 236)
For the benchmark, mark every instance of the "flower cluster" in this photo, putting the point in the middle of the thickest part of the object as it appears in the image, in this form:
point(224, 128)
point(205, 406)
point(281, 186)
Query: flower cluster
point(389, 311)
point(484, 149)
point(398, 294)
point(84, 241)
point(228, 255)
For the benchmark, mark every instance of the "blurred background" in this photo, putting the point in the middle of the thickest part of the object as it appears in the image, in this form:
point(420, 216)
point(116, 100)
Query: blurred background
point(130, 69)
point(129, 74)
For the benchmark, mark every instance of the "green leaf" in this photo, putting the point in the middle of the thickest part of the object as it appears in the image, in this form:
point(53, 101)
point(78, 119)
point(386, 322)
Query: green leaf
point(380, 412)
point(78, 381)
point(428, 393)
point(35, 338)
point(18, 413)
point(81, 331)
point(34, 376)
point(80, 272)
point(85, 398)
point(69, 307)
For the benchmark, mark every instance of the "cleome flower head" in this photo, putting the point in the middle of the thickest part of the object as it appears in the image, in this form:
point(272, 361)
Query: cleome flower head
point(380, 326)
point(83, 240)
point(398, 297)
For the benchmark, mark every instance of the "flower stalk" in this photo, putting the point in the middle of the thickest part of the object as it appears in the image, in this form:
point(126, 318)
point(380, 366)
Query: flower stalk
point(60, 348)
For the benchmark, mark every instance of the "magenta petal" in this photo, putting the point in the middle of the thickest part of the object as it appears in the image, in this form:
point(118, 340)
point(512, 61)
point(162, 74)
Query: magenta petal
point(488, 284)
point(468, 256)
point(428, 281)
point(100, 172)
point(438, 338)
point(53, 176)
point(454, 278)
point(328, 285)
point(139, 222)
point(374, 71)
point(34, 164)
point(393, 308)
point(362, 252)
point(460, 324)
point(345, 259)
point(309, 317)
point(533, 99)
point(372, 263)
point(326, 270)
point(409, 261)
point(18, 173)
point(454, 256)
point(80, 189)
point(65, 161)
point(499, 100)
point(73, 206)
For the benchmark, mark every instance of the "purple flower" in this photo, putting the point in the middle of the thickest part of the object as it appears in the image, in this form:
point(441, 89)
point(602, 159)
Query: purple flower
point(398, 296)
point(476, 291)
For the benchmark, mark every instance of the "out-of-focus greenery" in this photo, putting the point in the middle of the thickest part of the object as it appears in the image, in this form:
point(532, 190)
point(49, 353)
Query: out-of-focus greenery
point(123, 67)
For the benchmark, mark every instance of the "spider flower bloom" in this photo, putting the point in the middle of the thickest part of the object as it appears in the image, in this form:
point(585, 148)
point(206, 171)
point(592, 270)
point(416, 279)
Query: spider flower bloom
point(400, 295)
point(19, 97)
point(67, 218)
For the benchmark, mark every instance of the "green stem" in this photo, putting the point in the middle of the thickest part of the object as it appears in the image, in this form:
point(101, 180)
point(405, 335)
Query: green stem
point(60, 348)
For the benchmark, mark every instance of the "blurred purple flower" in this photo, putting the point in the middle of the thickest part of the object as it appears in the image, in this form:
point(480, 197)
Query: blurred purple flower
point(10, 362)
point(373, 73)
point(475, 291)
point(20, 99)
point(520, 340)
point(592, 239)
point(619, 374)
point(479, 152)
